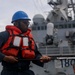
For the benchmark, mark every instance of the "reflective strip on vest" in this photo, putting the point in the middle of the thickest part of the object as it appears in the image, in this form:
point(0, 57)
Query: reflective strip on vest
point(25, 41)
point(17, 41)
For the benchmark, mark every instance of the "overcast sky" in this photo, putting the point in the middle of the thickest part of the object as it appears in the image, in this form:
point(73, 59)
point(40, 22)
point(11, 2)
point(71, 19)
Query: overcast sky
point(31, 7)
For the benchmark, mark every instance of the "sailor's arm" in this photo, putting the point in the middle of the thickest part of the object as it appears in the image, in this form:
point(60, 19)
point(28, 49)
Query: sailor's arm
point(7, 58)
point(3, 38)
point(1, 56)
point(40, 59)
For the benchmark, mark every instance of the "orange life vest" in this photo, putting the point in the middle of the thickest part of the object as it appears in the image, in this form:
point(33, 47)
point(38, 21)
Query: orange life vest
point(18, 41)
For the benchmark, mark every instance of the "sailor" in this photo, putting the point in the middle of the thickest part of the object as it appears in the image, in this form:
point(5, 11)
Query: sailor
point(18, 48)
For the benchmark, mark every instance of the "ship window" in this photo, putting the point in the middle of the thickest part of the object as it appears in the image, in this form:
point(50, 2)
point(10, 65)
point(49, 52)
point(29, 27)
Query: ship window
point(33, 28)
point(74, 25)
point(38, 28)
point(55, 26)
point(45, 27)
point(61, 26)
point(69, 25)
point(42, 27)
point(65, 26)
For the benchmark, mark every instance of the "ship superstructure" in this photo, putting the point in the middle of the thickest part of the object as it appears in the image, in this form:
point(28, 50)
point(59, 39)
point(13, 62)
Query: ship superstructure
point(55, 36)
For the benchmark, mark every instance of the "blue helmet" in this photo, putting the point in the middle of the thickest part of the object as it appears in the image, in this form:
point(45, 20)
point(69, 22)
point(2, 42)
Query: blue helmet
point(20, 15)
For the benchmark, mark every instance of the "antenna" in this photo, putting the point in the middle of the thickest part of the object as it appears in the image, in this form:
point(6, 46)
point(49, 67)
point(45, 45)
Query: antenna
point(73, 7)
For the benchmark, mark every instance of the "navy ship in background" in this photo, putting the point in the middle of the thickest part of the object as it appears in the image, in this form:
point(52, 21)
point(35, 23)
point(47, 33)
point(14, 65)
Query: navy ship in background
point(55, 36)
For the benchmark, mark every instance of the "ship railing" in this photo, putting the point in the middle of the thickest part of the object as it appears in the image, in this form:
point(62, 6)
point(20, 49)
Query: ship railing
point(57, 51)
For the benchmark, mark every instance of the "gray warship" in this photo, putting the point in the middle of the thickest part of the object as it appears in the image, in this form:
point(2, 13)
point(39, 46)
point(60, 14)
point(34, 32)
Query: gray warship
point(55, 36)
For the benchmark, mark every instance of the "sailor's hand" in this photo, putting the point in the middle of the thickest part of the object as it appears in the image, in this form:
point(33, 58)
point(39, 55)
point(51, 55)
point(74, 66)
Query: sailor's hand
point(10, 59)
point(45, 59)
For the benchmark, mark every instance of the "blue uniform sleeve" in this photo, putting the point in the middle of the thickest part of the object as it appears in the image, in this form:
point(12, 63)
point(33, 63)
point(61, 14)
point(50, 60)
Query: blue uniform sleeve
point(37, 57)
point(3, 38)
